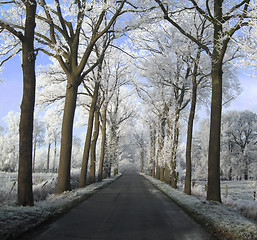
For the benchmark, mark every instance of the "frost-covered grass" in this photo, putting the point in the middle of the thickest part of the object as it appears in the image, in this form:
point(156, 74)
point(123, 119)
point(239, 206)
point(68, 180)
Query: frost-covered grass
point(43, 185)
point(239, 195)
point(15, 220)
point(236, 190)
point(223, 221)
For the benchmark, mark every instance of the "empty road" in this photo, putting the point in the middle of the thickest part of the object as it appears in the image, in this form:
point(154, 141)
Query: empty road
point(128, 209)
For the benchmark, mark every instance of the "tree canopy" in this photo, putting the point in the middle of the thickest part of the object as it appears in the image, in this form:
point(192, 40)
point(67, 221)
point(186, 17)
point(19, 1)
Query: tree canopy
point(141, 67)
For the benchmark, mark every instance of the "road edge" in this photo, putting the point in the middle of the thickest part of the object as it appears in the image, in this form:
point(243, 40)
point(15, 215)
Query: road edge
point(204, 220)
point(21, 231)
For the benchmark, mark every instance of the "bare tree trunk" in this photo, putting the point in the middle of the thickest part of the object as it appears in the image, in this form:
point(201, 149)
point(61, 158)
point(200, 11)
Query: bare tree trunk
point(63, 183)
point(213, 191)
point(142, 157)
point(93, 148)
point(103, 145)
point(83, 175)
point(161, 137)
point(187, 189)
point(34, 155)
point(190, 127)
point(220, 44)
point(162, 174)
point(25, 194)
point(55, 152)
point(48, 157)
point(154, 150)
point(167, 174)
point(246, 169)
point(109, 170)
point(157, 175)
point(174, 150)
point(153, 146)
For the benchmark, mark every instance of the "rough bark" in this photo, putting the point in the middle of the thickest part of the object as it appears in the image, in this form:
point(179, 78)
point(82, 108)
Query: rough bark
point(93, 148)
point(190, 126)
point(142, 157)
point(103, 145)
point(213, 191)
point(83, 175)
point(157, 175)
point(161, 136)
point(48, 157)
point(153, 146)
point(174, 150)
point(55, 153)
point(25, 194)
point(154, 150)
point(34, 155)
point(162, 174)
point(167, 174)
point(63, 183)
point(187, 189)
point(246, 168)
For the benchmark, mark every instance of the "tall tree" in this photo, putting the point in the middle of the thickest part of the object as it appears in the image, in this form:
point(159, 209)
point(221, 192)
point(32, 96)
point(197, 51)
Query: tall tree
point(119, 111)
point(103, 141)
point(225, 24)
point(94, 94)
point(198, 75)
point(92, 167)
point(25, 194)
point(166, 71)
point(115, 73)
point(63, 27)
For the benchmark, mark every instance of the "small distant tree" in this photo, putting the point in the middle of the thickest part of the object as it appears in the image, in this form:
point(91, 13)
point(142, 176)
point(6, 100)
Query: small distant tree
point(120, 110)
point(38, 138)
point(10, 143)
point(238, 146)
point(239, 136)
point(140, 142)
point(115, 73)
point(200, 151)
point(76, 153)
point(52, 119)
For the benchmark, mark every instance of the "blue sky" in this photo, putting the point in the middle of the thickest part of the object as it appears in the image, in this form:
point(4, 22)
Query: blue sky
point(248, 97)
point(11, 90)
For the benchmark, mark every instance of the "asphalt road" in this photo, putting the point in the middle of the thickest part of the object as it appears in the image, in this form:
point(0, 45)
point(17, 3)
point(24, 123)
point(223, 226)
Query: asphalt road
point(128, 209)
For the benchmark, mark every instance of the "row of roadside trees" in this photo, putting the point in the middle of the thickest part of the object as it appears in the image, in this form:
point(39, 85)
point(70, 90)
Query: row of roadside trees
point(77, 35)
point(181, 57)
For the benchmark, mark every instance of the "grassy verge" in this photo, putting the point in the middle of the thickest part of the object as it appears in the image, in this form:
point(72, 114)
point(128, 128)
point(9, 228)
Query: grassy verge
point(221, 221)
point(15, 221)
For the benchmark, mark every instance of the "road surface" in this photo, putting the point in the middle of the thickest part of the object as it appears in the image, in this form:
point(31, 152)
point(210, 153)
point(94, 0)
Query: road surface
point(128, 209)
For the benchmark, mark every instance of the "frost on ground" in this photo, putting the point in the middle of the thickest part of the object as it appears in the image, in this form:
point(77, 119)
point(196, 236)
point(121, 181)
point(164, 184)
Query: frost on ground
point(240, 195)
point(223, 221)
point(15, 220)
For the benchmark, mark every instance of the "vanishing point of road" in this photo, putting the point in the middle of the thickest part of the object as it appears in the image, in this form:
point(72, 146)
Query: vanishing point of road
point(130, 208)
